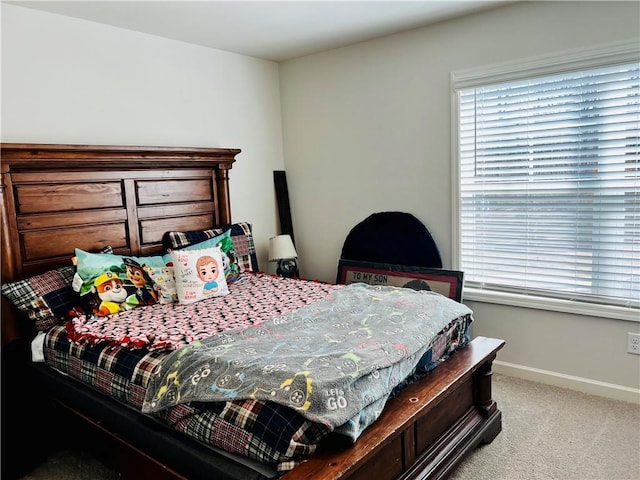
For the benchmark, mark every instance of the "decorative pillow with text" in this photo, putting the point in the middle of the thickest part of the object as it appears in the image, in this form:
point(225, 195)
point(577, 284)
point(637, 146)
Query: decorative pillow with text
point(198, 274)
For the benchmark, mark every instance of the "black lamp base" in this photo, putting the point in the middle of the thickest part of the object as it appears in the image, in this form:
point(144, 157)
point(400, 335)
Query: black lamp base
point(288, 267)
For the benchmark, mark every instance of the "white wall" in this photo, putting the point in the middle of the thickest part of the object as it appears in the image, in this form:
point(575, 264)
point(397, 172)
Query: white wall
point(66, 80)
point(367, 128)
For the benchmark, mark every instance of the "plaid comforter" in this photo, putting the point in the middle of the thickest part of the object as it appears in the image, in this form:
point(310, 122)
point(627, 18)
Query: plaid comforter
point(261, 430)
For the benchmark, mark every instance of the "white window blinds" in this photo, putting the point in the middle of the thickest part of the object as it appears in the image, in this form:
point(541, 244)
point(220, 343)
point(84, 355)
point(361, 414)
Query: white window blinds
point(549, 185)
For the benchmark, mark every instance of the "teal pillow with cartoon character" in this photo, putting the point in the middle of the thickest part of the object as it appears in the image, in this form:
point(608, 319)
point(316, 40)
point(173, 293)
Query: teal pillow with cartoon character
point(109, 283)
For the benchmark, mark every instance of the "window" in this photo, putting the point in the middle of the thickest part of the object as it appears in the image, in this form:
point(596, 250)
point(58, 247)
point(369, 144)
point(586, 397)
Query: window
point(548, 170)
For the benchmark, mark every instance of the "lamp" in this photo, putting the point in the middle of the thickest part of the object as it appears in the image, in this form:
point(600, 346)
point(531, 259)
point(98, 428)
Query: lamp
point(281, 250)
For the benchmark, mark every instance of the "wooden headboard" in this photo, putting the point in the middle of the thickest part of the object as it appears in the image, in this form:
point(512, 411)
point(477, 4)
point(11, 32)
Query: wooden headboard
point(59, 197)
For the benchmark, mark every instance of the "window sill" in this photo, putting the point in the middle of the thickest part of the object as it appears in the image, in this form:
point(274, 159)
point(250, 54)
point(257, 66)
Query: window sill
point(552, 304)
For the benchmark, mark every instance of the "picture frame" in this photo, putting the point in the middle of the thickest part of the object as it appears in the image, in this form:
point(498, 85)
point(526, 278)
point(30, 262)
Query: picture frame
point(445, 282)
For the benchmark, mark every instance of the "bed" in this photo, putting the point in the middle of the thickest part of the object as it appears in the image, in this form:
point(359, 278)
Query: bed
point(122, 200)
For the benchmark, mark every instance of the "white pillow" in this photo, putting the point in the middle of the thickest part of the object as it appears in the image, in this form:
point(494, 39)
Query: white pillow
point(199, 274)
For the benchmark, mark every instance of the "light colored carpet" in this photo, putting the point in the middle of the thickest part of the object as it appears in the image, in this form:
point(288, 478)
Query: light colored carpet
point(547, 433)
point(555, 433)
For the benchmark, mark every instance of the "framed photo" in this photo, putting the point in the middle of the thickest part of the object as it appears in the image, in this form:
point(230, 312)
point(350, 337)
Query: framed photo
point(444, 282)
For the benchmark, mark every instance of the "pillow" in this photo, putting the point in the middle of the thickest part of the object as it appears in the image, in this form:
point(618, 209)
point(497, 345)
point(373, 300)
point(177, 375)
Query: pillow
point(227, 250)
point(162, 277)
point(240, 233)
point(46, 298)
point(110, 283)
point(198, 274)
point(163, 283)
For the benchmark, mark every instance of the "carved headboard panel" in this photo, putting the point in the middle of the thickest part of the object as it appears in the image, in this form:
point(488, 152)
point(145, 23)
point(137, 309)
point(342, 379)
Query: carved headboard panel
point(59, 197)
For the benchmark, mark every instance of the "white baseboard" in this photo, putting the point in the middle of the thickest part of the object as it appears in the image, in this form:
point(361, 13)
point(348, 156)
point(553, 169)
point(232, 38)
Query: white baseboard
point(585, 385)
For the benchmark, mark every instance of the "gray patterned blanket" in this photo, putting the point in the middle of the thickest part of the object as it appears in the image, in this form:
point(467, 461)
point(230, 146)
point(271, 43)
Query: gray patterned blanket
point(335, 361)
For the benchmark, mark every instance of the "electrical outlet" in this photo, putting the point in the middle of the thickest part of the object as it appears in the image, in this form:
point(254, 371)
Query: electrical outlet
point(633, 343)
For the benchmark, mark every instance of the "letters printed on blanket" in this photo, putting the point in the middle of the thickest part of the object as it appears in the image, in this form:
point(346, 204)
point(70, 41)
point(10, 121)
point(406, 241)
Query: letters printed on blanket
point(329, 361)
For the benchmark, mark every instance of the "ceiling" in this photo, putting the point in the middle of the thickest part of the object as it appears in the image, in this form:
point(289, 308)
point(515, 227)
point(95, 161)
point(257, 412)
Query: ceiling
point(272, 30)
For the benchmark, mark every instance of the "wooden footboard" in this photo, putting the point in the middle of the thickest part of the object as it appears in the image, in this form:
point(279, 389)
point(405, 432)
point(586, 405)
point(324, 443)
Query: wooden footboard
point(427, 429)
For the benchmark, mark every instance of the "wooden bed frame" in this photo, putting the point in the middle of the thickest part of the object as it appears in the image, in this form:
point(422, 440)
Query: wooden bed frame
point(58, 197)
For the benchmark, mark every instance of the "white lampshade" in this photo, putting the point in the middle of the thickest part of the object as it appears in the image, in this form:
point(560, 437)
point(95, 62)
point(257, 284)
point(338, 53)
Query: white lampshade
point(281, 247)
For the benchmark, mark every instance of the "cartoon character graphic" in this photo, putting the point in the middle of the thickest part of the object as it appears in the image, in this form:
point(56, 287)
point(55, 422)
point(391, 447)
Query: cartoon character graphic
point(229, 265)
point(170, 388)
point(207, 269)
point(294, 392)
point(231, 270)
point(110, 289)
point(347, 365)
point(164, 283)
point(144, 293)
point(229, 382)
